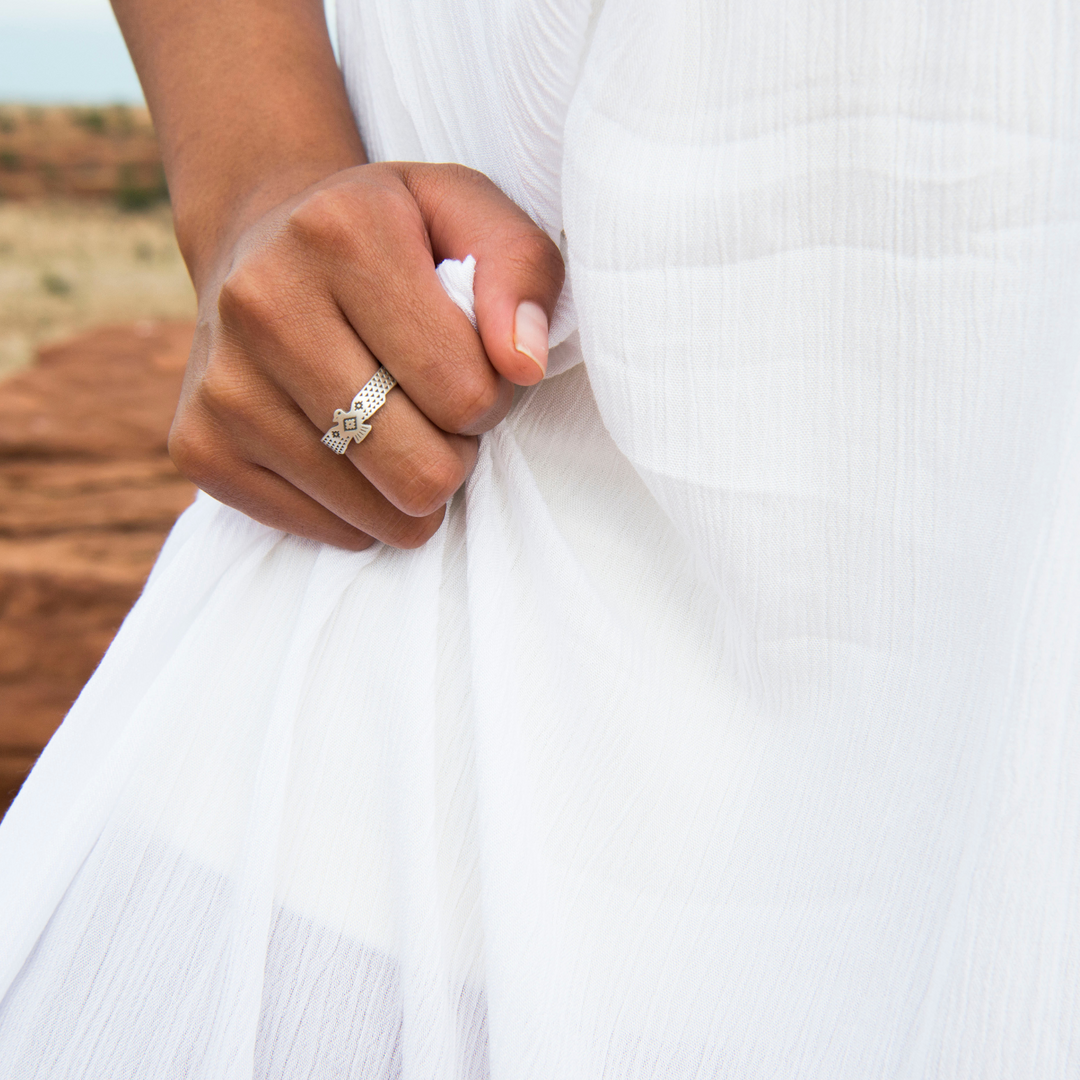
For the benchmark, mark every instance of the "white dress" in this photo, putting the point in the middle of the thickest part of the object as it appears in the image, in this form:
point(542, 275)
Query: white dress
point(730, 726)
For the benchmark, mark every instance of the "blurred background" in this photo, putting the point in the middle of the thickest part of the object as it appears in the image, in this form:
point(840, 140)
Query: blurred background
point(96, 318)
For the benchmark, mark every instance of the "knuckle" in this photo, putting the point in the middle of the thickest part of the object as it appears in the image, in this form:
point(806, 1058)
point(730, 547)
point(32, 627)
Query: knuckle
point(224, 391)
point(470, 400)
point(536, 253)
point(322, 220)
point(461, 174)
point(428, 180)
point(193, 452)
point(352, 540)
point(348, 221)
point(246, 297)
point(433, 486)
point(410, 532)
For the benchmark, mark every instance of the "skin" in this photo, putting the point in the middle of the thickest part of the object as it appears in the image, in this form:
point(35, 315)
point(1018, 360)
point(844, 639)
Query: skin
point(312, 267)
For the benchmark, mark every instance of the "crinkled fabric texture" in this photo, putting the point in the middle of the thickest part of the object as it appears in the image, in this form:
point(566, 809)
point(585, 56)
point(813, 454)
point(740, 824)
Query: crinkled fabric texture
point(729, 727)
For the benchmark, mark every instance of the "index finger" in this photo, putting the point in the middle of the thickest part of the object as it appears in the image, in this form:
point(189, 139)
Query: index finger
point(519, 270)
point(382, 275)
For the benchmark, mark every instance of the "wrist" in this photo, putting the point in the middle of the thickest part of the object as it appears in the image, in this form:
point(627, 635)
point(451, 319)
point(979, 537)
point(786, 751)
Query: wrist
point(249, 107)
point(210, 217)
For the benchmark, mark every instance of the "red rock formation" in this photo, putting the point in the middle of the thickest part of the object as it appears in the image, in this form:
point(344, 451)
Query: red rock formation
point(80, 152)
point(87, 495)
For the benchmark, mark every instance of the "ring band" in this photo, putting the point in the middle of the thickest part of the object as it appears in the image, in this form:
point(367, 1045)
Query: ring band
point(350, 426)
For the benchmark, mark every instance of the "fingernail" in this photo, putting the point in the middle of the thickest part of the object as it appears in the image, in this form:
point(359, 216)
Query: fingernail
point(531, 333)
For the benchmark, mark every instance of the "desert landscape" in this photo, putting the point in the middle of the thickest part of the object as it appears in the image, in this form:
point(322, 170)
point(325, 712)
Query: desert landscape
point(80, 151)
point(96, 307)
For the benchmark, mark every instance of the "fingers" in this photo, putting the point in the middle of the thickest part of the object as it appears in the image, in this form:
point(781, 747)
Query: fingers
point(416, 466)
point(317, 364)
point(369, 239)
point(380, 238)
point(319, 293)
point(519, 271)
point(291, 481)
point(262, 495)
point(413, 465)
point(335, 484)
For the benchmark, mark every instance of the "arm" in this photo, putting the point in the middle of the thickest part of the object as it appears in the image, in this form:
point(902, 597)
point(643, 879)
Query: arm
point(313, 268)
point(249, 106)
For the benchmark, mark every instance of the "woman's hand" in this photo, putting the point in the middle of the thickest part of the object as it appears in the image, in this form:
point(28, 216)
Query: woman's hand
point(302, 308)
point(312, 268)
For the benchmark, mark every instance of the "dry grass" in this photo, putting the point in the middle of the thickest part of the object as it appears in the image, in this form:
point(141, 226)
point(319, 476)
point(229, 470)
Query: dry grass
point(69, 265)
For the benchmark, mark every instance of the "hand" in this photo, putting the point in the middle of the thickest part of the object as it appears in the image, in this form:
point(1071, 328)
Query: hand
point(299, 308)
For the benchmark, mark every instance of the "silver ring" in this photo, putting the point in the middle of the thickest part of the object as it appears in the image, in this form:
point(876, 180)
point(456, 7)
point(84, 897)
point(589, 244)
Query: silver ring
point(349, 426)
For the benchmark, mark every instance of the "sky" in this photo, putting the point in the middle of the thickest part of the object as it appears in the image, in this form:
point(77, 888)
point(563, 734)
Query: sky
point(67, 51)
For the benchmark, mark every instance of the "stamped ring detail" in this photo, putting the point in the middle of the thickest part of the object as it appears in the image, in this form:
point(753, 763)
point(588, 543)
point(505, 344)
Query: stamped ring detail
point(350, 426)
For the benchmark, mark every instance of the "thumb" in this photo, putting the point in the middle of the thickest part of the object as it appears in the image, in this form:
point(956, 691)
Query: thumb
point(519, 271)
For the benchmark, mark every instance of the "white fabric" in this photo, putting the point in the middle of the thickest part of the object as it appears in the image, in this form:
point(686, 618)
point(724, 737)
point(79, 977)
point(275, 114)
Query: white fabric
point(456, 277)
point(729, 727)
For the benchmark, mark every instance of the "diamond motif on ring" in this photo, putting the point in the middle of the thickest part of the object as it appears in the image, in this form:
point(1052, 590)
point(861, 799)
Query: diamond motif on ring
point(349, 425)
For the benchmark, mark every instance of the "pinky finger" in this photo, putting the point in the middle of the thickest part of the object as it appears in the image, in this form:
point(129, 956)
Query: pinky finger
point(266, 497)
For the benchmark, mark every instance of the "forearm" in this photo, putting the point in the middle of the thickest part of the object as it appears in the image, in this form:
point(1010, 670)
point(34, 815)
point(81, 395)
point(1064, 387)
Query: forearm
point(249, 107)
point(313, 272)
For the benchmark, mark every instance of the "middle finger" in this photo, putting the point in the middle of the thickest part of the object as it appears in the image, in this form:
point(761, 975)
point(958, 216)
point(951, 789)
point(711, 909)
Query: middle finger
point(415, 465)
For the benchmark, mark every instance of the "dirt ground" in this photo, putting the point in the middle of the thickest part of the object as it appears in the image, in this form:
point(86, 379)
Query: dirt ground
point(68, 265)
point(95, 304)
point(87, 496)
